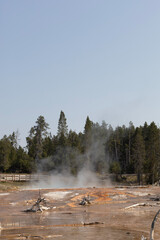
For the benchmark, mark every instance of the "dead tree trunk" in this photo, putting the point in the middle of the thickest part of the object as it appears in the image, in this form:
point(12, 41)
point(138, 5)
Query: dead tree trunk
point(152, 226)
point(37, 207)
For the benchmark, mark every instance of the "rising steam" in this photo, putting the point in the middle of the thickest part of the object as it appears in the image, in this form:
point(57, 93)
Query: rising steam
point(86, 165)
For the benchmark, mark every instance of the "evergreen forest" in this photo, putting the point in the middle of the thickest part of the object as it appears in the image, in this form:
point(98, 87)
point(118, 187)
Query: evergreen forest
point(102, 149)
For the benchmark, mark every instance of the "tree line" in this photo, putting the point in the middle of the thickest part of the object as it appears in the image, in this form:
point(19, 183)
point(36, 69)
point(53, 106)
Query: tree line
point(99, 148)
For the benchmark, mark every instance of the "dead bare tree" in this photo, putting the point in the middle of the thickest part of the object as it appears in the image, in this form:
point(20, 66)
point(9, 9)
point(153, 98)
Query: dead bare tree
point(85, 201)
point(36, 206)
point(153, 224)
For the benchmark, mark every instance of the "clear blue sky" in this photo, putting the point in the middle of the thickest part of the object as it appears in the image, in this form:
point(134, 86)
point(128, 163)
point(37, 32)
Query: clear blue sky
point(87, 58)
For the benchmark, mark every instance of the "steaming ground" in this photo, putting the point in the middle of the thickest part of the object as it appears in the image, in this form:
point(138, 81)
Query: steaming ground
point(85, 178)
point(56, 195)
point(95, 153)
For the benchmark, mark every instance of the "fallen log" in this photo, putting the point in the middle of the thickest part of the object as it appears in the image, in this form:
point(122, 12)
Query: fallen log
point(92, 223)
point(157, 198)
point(138, 205)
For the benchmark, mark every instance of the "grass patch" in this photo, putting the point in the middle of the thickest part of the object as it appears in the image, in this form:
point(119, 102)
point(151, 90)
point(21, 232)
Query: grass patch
point(10, 186)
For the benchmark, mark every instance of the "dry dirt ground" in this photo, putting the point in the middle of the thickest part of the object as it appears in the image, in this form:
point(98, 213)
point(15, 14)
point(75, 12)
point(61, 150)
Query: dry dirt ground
point(107, 217)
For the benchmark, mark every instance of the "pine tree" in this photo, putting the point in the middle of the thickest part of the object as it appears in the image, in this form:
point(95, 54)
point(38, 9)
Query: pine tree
point(5, 151)
point(62, 126)
point(60, 158)
point(23, 163)
point(131, 131)
point(88, 133)
point(35, 139)
point(153, 152)
point(138, 154)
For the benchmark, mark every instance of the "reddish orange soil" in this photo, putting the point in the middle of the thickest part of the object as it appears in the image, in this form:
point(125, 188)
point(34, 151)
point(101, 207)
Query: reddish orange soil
point(105, 218)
